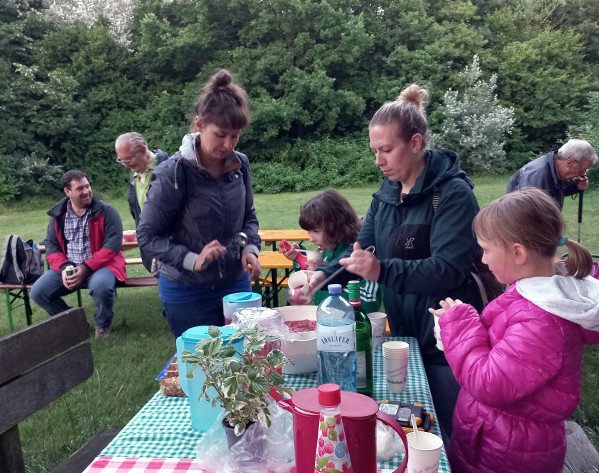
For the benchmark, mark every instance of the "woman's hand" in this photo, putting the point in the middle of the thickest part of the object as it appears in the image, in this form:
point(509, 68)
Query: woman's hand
point(251, 259)
point(211, 252)
point(363, 263)
point(445, 305)
point(315, 278)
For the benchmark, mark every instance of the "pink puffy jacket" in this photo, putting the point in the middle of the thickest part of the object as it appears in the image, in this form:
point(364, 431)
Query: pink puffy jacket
point(520, 370)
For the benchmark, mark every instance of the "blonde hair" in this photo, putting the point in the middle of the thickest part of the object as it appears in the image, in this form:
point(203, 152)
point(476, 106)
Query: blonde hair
point(407, 112)
point(532, 218)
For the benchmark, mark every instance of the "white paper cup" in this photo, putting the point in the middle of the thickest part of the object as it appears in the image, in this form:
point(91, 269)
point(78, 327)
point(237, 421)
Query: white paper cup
point(378, 321)
point(396, 372)
point(424, 455)
point(437, 332)
point(297, 280)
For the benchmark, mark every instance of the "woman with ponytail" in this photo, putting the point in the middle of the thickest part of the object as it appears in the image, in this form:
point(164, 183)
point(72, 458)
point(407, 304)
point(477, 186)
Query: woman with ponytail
point(198, 201)
point(420, 223)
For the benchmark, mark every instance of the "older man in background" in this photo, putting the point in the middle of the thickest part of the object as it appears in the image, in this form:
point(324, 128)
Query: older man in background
point(559, 173)
point(132, 152)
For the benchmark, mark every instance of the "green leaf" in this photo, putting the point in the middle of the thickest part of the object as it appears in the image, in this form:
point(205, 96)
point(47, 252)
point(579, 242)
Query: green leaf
point(276, 379)
point(330, 421)
point(332, 435)
point(230, 386)
point(260, 384)
point(321, 425)
point(275, 357)
point(214, 331)
point(322, 462)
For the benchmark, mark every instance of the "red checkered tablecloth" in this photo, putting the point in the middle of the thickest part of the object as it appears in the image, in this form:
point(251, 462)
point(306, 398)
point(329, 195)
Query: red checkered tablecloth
point(142, 465)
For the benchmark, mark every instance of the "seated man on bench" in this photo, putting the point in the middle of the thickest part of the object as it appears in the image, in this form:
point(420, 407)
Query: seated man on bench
point(86, 233)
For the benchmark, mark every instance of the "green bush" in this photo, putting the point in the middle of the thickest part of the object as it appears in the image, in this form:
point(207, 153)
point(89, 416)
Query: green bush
point(311, 165)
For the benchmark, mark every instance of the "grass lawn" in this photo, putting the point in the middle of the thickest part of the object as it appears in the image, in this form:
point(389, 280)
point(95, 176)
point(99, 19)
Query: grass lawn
point(141, 343)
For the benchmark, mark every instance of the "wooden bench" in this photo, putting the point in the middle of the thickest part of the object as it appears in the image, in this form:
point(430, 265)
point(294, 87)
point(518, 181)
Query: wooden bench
point(581, 455)
point(40, 363)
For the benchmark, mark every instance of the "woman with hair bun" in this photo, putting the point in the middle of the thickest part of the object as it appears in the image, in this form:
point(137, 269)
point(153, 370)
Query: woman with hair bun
point(198, 201)
point(420, 223)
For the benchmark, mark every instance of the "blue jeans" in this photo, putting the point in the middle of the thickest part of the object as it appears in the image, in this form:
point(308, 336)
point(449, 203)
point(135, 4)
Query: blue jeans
point(201, 306)
point(47, 292)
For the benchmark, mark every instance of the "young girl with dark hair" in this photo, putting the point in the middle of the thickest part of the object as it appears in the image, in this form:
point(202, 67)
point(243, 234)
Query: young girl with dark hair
point(198, 200)
point(519, 363)
point(333, 226)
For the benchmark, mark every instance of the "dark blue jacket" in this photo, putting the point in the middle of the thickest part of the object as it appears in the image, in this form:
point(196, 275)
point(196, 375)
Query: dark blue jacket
point(426, 255)
point(186, 208)
point(541, 173)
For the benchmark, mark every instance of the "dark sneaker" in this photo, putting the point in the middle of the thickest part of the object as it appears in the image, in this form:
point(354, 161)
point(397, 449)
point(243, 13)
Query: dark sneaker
point(102, 332)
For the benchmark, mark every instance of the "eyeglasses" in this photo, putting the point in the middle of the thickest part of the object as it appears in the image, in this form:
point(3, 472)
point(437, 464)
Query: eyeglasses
point(125, 162)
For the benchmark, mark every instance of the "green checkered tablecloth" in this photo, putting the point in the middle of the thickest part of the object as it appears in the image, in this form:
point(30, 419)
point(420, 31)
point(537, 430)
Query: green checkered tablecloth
point(162, 428)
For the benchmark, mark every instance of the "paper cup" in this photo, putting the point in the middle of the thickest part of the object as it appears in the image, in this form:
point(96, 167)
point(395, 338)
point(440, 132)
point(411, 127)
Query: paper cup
point(437, 332)
point(396, 369)
point(298, 280)
point(378, 321)
point(298, 291)
point(424, 454)
point(314, 259)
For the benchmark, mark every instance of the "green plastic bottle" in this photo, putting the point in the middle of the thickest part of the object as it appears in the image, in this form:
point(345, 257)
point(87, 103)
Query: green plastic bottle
point(363, 341)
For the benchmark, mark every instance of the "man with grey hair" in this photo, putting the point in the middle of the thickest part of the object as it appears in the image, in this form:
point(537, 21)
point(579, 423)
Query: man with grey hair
point(132, 152)
point(559, 173)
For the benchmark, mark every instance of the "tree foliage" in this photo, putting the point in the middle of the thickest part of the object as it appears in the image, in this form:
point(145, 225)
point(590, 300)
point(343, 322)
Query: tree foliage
point(77, 74)
point(475, 123)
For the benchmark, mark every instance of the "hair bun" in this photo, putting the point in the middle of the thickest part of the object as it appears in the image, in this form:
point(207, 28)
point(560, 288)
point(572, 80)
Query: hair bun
point(415, 93)
point(222, 79)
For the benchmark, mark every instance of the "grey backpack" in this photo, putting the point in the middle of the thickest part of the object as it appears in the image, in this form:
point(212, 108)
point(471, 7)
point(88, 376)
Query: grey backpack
point(21, 261)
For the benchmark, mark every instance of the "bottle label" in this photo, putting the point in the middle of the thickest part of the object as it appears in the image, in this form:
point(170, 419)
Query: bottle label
point(361, 369)
point(340, 338)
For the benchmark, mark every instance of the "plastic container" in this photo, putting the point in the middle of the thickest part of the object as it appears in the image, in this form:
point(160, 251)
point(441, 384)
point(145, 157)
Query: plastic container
point(203, 414)
point(331, 447)
point(359, 413)
point(239, 300)
point(299, 346)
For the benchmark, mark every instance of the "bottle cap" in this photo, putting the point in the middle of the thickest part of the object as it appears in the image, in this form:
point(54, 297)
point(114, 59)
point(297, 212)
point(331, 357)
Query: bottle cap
point(334, 288)
point(329, 394)
point(353, 290)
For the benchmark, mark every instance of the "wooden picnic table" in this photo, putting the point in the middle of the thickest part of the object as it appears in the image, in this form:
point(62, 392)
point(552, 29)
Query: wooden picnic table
point(271, 237)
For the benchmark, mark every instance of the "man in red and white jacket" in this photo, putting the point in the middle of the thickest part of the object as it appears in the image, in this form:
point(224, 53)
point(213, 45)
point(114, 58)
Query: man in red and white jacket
point(86, 233)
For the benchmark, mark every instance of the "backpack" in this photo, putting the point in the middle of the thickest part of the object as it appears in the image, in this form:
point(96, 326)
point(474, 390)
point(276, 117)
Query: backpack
point(21, 262)
point(488, 285)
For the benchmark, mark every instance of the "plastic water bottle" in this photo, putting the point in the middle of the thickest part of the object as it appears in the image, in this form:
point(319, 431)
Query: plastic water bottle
point(331, 449)
point(336, 341)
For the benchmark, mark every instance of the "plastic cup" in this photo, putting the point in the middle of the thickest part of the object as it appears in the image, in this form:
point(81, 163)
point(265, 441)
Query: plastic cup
point(437, 332)
point(314, 259)
point(378, 321)
point(396, 355)
point(298, 291)
point(424, 452)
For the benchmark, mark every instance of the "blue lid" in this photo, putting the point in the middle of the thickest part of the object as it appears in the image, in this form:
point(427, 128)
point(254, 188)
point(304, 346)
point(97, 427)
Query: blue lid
point(195, 334)
point(334, 288)
point(242, 297)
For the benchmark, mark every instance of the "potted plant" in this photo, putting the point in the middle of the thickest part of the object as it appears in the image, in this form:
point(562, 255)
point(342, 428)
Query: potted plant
point(242, 381)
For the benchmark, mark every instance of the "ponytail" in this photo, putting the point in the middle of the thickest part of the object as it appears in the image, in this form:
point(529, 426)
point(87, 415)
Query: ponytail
point(579, 262)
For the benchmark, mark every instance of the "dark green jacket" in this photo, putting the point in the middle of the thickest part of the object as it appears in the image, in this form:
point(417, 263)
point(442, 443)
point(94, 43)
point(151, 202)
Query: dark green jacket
point(425, 255)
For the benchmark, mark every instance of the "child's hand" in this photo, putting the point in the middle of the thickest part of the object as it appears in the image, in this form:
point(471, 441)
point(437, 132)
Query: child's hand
point(446, 304)
point(289, 250)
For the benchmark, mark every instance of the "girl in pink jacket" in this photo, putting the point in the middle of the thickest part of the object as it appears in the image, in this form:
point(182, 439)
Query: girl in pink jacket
point(519, 363)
